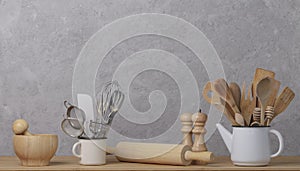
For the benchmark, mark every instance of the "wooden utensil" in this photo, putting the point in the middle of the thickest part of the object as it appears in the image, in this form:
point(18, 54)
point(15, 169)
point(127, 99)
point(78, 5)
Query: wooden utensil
point(20, 127)
point(274, 92)
point(269, 114)
point(222, 89)
point(256, 115)
point(227, 111)
point(173, 154)
point(208, 89)
point(258, 76)
point(263, 91)
point(283, 101)
point(236, 93)
point(247, 104)
point(231, 116)
point(239, 119)
point(215, 100)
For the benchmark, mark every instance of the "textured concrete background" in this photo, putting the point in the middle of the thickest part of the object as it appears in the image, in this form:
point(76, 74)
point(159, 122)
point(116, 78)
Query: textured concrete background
point(40, 41)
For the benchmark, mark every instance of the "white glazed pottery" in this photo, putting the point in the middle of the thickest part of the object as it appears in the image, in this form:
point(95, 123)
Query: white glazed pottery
point(250, 146)
point(92, 151)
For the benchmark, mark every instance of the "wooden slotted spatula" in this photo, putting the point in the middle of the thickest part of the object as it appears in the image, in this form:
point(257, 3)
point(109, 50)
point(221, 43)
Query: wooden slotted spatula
point(283, 101)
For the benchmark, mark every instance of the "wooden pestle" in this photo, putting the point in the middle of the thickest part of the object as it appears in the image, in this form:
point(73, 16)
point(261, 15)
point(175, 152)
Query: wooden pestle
point(20, 127)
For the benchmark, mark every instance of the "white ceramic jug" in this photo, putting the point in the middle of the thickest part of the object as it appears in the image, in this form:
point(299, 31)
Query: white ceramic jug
point(250, 146)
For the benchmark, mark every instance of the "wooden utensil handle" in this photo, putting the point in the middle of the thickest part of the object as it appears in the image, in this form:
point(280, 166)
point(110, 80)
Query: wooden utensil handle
point(110, 150)
point(28, 133)
point(20, 127)
point(207, 88)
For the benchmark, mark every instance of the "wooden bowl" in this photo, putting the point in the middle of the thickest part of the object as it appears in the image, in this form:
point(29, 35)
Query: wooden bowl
point(35, 150)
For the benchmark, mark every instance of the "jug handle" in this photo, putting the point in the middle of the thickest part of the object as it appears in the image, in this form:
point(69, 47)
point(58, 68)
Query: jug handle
point(273, 131)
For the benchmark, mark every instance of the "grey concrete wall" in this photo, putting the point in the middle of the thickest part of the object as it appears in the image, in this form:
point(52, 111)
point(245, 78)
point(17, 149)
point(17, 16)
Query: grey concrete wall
point(41, 40)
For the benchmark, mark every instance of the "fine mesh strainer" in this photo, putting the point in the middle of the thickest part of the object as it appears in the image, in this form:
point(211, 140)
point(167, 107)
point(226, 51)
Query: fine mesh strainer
point(73, 121)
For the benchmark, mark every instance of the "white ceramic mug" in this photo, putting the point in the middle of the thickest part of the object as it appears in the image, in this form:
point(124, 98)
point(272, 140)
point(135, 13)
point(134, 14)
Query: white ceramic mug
point(92, 151)
point(250, 146)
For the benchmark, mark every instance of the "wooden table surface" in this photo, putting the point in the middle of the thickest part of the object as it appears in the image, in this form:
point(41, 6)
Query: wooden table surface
point(221, 163)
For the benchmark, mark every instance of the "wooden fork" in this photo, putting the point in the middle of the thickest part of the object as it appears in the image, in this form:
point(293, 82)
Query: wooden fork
point(247, 104)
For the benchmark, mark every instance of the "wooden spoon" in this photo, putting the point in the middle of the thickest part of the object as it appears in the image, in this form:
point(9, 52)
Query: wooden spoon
point(20, 127)
point(236, 93)
point(259, 75)
point(263, 91)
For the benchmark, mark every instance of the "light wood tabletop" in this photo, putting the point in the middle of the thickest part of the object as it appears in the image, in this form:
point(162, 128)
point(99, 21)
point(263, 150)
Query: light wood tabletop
point(221, 163)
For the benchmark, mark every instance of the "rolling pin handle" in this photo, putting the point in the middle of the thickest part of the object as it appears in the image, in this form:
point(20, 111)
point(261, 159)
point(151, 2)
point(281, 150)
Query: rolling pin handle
point(205, 156)
point(110, 150)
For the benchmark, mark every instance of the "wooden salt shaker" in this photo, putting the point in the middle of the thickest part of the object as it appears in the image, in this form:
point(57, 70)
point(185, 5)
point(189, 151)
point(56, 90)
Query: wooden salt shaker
point(186, 121)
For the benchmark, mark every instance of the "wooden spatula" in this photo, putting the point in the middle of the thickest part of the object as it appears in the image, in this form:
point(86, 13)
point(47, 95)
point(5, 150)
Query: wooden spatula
point(283, 101)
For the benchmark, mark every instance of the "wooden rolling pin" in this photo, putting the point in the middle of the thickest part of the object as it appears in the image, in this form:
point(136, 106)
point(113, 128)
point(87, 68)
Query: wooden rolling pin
point(173, 154)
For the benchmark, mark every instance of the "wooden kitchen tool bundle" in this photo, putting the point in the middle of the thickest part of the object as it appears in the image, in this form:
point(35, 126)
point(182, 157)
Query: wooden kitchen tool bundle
point(257, 107)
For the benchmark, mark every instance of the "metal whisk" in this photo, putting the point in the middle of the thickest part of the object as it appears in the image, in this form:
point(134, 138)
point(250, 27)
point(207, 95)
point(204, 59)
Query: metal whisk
point(109, 102)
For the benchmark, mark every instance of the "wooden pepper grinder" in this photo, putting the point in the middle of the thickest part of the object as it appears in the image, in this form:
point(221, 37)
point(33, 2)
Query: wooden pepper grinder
point(187, 123)
point(199, 120)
